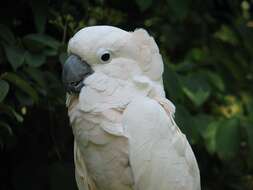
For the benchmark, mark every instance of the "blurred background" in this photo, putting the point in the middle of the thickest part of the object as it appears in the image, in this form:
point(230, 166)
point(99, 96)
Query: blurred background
point(207, 47)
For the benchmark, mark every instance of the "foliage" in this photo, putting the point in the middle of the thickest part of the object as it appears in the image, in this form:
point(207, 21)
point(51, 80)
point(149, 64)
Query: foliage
point(207, 50)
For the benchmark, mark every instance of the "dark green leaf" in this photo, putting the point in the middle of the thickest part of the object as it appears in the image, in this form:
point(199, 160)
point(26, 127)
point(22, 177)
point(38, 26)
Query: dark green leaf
point(50, 52)
point(172, 83)
point(42, 40)
point(36, 75)
point(228, 138)
point(249, 130)
point(178, 8)
point(21, 84)
point(202, 121)
point(186, 123)
point(63, 56)
point(10, 111)
point(39, 8)
point(216, 81)
point(196, 89)
point(6, 127)
point(7, 35)
point(23, 98)
point(15, 56)
point(209, 135)
point(4, 89)
point(35, 60)
point(144, 4)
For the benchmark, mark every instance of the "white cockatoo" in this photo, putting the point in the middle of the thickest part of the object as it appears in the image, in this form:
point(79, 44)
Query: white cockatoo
point(124, 130)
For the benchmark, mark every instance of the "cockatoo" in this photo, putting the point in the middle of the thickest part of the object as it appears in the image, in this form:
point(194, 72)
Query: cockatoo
point(125, 136)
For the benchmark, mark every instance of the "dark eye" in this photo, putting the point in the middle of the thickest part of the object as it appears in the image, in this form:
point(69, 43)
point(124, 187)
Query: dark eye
point(105, 57)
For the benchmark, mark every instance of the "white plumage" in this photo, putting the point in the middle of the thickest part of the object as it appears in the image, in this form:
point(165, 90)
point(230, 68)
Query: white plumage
point(125, 134)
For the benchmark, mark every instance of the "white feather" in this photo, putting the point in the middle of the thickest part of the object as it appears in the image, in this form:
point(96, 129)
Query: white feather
point(160, 156)
point(125, 135)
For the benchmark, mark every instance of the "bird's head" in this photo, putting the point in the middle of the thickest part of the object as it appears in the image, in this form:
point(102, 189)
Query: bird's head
point(112, 51)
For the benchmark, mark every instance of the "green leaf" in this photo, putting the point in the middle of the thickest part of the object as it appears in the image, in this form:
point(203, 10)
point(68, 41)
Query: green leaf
point(21, 84)
point(39, 8)
point(186, 123)
point(216, 81)
point(202, 121)
point(4, 89)
point(18, 117)
point(23, 99)
point(228, 139)
point(196, 89)
point(8, 110)
point(38, 40)
point(178, 8)
point(248, 125)
point(144, 4)
point(172, 83)
point(15, 56)
point(63, 57)
point(36, 75)
point(7, 35)
point(197, 54)
point(50, 52)
point(35, 60)
point(209, 135)
point(225, 34)
point(6, 127)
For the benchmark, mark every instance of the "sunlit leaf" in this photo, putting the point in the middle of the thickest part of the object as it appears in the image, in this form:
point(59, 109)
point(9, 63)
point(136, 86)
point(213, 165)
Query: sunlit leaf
point(225, 34)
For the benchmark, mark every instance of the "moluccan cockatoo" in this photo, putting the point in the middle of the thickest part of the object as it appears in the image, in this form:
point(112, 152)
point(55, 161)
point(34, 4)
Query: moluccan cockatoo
point(124, 130)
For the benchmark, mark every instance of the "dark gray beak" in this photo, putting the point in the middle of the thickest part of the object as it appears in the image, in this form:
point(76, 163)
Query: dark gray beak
point(74, 72)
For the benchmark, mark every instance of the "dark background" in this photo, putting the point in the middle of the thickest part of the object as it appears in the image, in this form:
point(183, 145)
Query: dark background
point(207, 47)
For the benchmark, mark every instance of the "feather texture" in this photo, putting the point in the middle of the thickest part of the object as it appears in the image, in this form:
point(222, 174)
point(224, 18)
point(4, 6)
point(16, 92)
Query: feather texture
point(125, 134)
point(162, 158)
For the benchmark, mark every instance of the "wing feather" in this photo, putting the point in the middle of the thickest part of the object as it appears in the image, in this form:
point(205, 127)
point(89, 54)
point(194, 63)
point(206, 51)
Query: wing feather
point(160, 155)
point(84, 182)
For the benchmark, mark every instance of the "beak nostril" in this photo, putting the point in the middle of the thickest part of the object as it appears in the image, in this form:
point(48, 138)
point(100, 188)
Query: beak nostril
point(74, 72)
point(75, 83)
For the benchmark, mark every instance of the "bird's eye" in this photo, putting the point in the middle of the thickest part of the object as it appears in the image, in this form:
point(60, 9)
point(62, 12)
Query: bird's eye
point(104, 55)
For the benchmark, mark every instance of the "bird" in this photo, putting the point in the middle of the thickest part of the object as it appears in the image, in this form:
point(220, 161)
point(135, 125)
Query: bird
point(125, 135)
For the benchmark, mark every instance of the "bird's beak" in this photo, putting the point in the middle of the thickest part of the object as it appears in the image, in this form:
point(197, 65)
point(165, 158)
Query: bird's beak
point(74, 72)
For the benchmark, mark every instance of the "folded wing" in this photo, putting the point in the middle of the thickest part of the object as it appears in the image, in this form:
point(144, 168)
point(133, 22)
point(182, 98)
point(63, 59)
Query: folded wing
point(160, 155)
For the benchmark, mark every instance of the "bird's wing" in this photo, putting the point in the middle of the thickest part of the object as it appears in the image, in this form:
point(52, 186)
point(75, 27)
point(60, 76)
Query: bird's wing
point(160, 155)
point(82, 178)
